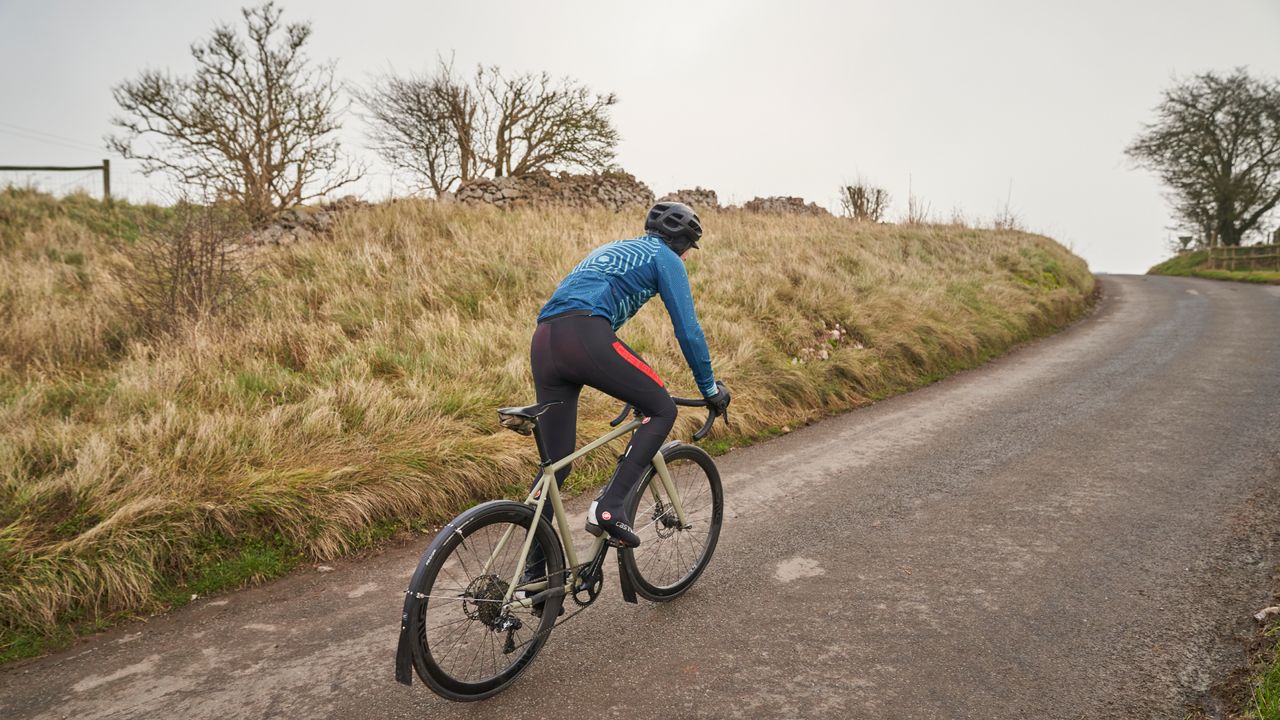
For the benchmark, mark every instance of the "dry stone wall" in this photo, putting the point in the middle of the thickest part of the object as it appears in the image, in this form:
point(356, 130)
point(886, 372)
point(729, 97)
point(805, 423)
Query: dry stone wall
point(698, 198)
point(304, 223)
point(613, 190)
point(784, 206)
point(616, 191)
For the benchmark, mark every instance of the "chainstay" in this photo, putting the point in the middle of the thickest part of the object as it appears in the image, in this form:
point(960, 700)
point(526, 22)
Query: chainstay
point(559, 621)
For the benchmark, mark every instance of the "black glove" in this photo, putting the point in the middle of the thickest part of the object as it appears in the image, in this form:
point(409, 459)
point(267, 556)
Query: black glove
point(720, 401)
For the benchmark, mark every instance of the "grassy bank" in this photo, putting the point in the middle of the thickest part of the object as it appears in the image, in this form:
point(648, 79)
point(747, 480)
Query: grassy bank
point(1266, 693)
point(1192, 264)
point(354, 396)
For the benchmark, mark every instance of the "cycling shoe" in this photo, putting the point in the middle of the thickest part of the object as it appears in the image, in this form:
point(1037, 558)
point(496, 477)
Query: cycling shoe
point(611, 521)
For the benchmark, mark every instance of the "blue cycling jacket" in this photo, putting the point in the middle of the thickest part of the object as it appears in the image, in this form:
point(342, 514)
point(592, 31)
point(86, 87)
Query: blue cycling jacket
point(615, 280)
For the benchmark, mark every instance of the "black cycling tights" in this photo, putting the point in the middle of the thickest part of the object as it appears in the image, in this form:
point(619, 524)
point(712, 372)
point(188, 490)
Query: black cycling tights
point(572, 351)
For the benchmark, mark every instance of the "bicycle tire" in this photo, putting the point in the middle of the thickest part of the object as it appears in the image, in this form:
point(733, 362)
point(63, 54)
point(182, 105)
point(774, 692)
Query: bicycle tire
point(658, 569)
point(433, 592)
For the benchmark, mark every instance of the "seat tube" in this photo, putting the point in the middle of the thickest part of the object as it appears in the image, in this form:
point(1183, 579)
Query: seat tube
point(543, 456)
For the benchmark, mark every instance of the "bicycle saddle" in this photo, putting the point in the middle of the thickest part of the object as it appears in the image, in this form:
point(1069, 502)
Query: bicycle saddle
point(523, 419)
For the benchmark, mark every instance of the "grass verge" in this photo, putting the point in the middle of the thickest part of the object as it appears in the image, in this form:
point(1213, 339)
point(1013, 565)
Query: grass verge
point(353, 395)
point(1191, 264)
point(1266, 693)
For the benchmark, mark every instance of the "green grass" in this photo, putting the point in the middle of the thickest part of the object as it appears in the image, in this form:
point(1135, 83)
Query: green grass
point(1263, 277)
point(23, 644)
point(221, 564)
point(226, 567)
point(1191, 264)
point(1265, 703)
point(22, 208)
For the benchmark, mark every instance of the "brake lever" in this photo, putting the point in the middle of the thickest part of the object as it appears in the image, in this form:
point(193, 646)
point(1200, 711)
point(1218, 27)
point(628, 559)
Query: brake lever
point(626, 410)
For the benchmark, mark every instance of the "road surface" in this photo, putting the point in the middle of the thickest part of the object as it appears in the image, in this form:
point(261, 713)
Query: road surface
point(1078, 530)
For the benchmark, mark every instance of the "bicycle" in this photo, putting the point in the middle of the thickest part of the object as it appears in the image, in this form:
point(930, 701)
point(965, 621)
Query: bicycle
point(474, 618)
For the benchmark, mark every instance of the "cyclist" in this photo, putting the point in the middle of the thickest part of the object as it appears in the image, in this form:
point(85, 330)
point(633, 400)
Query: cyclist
point(575, 345)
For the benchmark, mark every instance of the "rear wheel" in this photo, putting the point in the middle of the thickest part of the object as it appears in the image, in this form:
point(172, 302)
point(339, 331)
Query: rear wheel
point(670, 557)
point(466, 644)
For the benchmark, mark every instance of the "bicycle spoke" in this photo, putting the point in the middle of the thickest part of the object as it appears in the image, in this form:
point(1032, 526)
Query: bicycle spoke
point(452, 648)
point(492, 658)
point(452, 622)
point(462, 561)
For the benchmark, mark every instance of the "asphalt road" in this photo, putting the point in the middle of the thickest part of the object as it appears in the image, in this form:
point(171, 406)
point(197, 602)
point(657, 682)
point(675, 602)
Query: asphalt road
point(1078, 530)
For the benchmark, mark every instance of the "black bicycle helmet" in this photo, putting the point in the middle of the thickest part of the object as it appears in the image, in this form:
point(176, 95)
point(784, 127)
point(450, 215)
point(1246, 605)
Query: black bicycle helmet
point(676, 223)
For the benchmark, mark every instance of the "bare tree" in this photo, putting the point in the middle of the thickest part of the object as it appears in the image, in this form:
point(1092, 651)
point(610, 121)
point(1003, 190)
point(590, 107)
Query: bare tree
point(918, 209)
point(448, 130)
point(254, 125)
point(1216, 145)
point(1005, 218)
point(862, 201)
point(533, 122)
point(425, 125)
point(196, 265)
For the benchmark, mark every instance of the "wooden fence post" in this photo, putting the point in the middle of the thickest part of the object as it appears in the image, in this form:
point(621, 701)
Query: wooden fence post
point(1244, 257)
point(105, 168)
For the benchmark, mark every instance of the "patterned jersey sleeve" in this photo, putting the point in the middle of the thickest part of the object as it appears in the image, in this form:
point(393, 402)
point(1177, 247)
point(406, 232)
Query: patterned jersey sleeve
point(673, 286)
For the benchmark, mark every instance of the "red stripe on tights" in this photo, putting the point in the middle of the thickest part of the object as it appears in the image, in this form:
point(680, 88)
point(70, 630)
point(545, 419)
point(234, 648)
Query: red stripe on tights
point(638, 363)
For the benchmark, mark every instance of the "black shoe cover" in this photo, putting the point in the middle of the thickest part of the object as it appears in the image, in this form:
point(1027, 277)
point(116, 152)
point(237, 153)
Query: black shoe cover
point(612, 521)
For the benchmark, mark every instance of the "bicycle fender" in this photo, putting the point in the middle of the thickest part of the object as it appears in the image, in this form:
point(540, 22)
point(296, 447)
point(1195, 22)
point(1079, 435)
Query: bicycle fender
point(412, 599)
point(624, 581)
point(404, 650)
point(672, 445)
point(409, 615)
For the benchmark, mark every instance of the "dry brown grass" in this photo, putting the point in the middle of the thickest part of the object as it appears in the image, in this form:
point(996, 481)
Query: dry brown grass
point(360, 390)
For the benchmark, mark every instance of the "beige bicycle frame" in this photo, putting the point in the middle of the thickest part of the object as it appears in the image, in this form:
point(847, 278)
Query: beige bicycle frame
point(545, 488)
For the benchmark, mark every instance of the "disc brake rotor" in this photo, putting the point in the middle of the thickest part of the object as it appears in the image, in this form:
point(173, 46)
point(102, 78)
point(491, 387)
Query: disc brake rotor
point(664, 520)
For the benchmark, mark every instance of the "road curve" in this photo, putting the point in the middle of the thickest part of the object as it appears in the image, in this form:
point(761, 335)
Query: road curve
point(1078, 530)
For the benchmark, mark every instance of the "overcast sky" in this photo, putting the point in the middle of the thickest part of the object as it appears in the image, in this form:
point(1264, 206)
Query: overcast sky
point(964, 102)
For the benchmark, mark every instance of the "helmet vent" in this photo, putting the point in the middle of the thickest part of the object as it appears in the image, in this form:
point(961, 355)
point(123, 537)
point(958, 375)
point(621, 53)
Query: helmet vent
point(674, 222)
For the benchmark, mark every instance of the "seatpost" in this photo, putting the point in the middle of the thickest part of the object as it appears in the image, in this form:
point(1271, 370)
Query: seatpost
point(542, 448)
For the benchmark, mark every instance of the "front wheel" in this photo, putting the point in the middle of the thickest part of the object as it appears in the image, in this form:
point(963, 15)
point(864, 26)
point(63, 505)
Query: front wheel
point(671, 557)
point(465, 643)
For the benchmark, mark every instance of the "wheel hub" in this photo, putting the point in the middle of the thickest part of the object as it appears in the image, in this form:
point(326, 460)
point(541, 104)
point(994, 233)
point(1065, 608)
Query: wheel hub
point(665, 521)
point(483, 599)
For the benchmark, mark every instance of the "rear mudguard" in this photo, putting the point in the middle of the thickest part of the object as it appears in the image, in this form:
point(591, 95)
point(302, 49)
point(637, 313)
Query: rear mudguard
point(404, 650)
point(414, 596)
